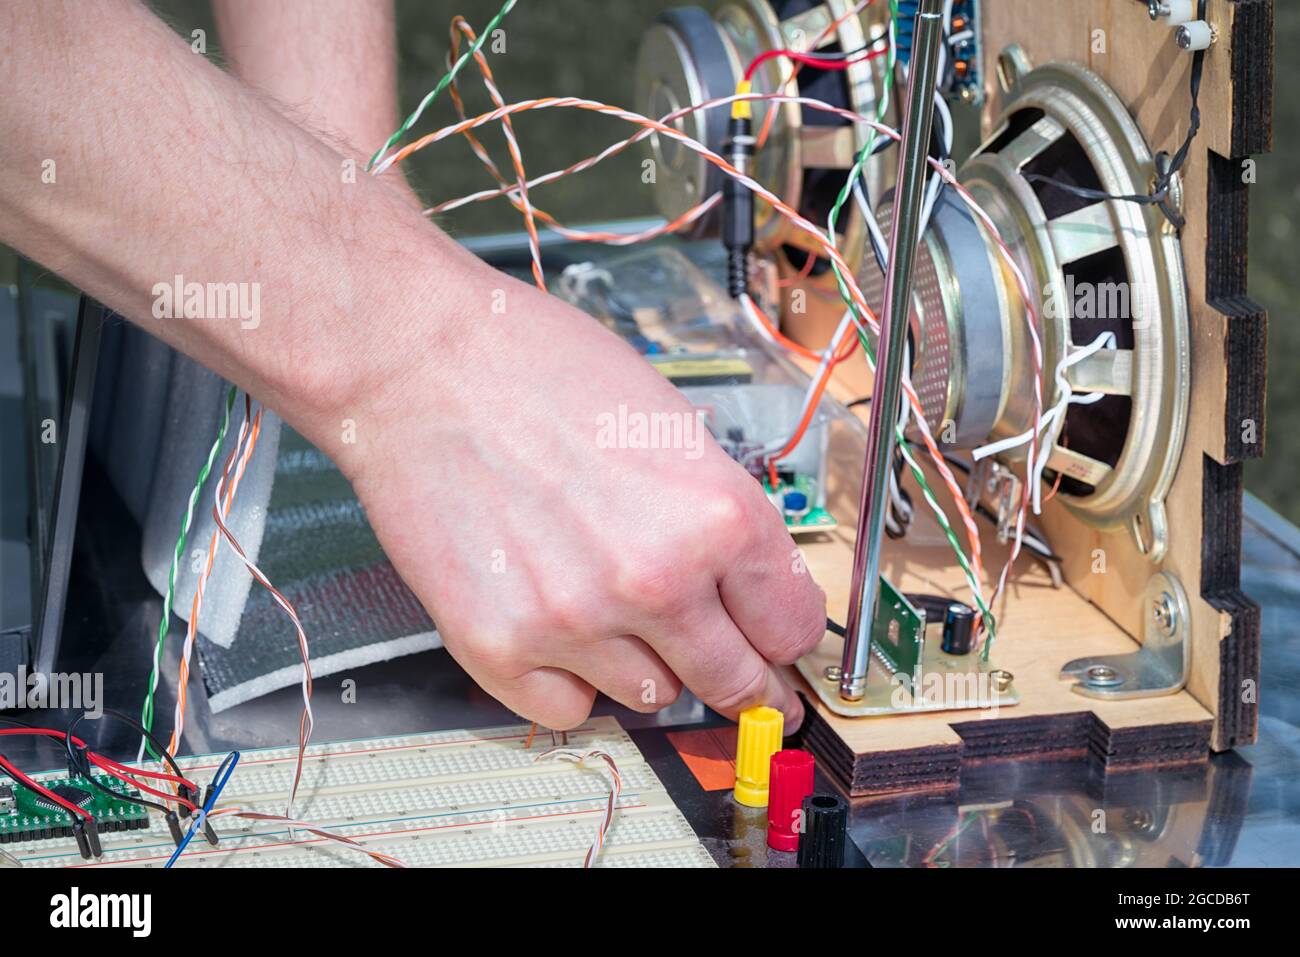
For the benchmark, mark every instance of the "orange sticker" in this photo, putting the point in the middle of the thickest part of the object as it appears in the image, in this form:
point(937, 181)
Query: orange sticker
point(710, 753)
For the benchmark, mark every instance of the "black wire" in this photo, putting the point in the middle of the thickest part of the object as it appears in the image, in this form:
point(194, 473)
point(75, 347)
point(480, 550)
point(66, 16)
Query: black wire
point(866, 48)
point(1085, 192)
point(79, 762)
point(131, 798)
point(1166, 165)
point(835, 628)
point(1044, 553)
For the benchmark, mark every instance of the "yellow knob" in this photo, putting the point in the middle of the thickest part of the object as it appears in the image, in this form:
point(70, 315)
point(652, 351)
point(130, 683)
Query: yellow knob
point(758, 739)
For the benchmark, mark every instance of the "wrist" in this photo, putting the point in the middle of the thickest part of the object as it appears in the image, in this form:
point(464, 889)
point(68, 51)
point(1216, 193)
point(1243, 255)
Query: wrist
point(414, 337)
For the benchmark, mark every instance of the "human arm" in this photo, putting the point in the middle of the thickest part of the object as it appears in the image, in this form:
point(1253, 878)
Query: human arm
point(569, 566)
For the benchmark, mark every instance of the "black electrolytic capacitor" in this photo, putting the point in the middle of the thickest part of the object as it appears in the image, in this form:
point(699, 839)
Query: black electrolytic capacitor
point(958, 629)
point(825, 821)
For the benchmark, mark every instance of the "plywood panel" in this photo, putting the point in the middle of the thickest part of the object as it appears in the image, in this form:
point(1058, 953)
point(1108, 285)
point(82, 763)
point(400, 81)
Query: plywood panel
point(1041, 627)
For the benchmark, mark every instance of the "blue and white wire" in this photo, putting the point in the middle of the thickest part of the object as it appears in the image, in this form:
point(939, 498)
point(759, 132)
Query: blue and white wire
point(219, 780)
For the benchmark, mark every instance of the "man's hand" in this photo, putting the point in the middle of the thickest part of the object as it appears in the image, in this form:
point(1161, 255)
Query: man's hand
point(555, 565)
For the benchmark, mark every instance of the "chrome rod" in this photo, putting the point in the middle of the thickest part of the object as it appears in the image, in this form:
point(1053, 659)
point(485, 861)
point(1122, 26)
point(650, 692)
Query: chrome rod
point(913, 150)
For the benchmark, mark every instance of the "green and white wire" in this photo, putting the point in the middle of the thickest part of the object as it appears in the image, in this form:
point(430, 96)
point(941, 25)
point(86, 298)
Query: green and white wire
point(443, 83)
point(989, 623)
point(146, 710)
point(798, 220)
point(845, 191)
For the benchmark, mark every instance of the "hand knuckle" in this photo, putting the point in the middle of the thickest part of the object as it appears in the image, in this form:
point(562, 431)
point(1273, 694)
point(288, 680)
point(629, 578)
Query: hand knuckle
point(566, 609)
point(728, 512)
point(741, 689)
point(499, 654)
point(654, 695)
point(668, 696)
point(649, 580)
point(801, 638)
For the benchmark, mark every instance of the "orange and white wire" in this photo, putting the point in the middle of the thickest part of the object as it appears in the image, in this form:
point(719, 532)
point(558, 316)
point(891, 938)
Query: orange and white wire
point(652, 126)
point(223, 500)
point(459, 26)
point(387, 860)
point(306, 722)
point(517, 192)
point(780, 206)
point(241, 453)
point(579, 758)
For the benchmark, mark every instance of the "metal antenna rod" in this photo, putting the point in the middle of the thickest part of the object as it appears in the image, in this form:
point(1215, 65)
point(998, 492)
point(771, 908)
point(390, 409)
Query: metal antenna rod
point(913, 150)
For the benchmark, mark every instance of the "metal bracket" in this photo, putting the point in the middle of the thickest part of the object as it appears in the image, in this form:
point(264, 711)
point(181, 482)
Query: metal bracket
point(942, 682)
point(1160, 666)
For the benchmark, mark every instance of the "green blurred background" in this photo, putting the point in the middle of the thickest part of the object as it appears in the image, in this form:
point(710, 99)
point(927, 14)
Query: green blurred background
point(588, 47)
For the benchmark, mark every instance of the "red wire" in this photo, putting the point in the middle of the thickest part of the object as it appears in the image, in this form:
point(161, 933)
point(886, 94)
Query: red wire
point(803, 273)
point(165, 795)
point(108, 765)
point(816, 62)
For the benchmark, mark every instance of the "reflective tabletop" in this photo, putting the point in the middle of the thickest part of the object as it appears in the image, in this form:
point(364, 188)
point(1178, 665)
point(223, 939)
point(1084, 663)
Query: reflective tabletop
point(1240, 808)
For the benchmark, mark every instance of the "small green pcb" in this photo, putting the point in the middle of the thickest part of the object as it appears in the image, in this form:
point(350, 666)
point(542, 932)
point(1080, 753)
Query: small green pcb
point(26, 815)
point(898, 633)
point(813, 519)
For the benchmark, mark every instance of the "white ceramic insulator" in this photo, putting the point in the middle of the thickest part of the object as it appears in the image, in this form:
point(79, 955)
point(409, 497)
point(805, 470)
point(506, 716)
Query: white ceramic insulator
point(1199, 35)
point(1180, 11)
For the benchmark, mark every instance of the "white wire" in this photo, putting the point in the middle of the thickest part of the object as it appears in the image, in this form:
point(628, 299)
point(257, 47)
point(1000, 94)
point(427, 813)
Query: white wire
point(873, 225)
point(1104, 341)
point(1066, 397)
point(249, 814)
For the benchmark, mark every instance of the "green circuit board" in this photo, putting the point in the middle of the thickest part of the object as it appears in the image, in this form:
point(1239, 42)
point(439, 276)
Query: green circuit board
point(816, 517)
point(898, 635)
point(27, 815)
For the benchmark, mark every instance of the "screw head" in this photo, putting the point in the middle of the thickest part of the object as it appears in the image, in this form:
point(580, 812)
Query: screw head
point(832, 673)
point(1164, 613)
point(1103, 676)
point(1001, 679)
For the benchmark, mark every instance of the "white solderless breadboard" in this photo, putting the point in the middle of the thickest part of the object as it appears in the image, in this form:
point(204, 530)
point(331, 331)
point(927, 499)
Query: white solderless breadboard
point(455, 798)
